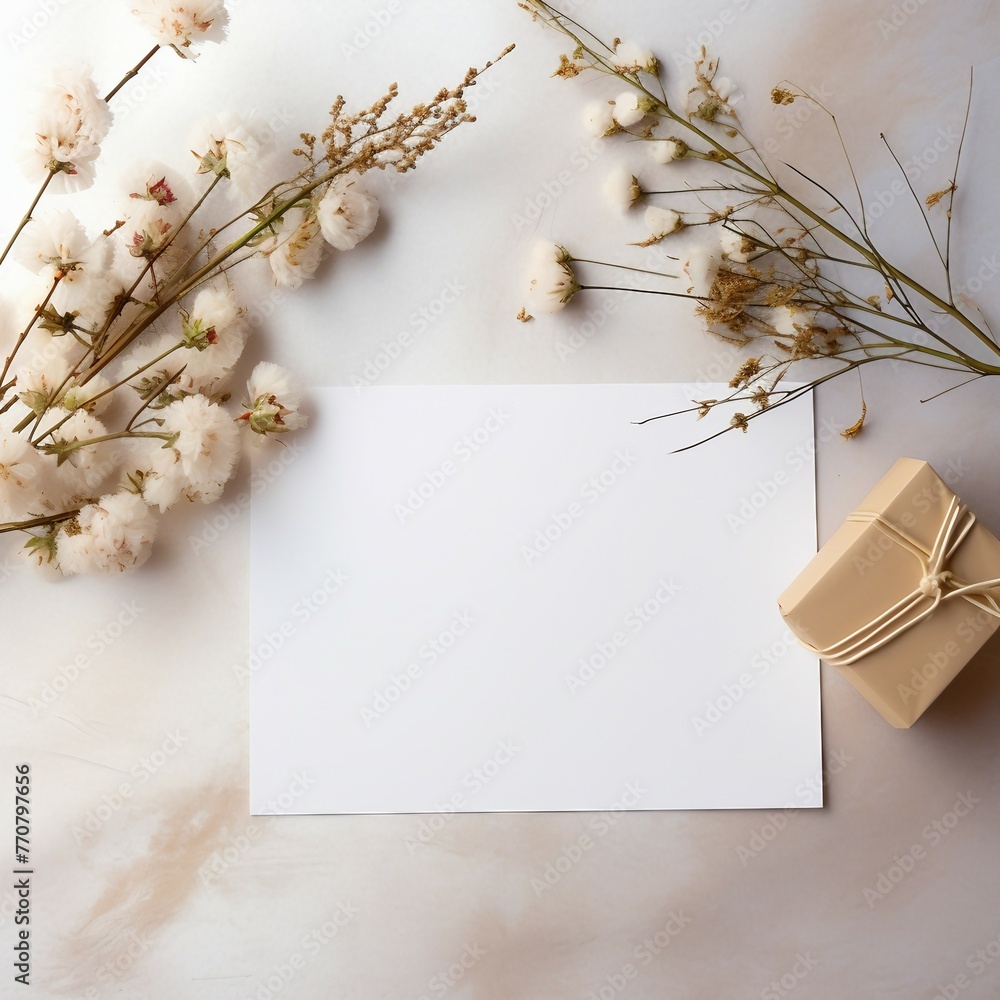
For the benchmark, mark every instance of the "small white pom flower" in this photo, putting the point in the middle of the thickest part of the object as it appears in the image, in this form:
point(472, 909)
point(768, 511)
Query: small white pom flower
point(627, 109)
point(272, 403)
point(295, 250)
point(735, 246)
point(661, 222)
point(42, 383)
point(229, 146)
point(347, 213)
point(20, 484)
point(622, 188)
point(56, 246)
point(214, 333)
point(599, 119)
point(179, 23)
point(207, 445)
point(114, 535)
point(71, 121)
point(790, 321)
point(552, 282)
point(667, 150)
point(83, 467)
point(701, 267)
point(633, 58)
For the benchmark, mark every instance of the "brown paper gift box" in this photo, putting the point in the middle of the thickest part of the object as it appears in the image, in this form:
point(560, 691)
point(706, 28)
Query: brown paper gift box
point(862, 571)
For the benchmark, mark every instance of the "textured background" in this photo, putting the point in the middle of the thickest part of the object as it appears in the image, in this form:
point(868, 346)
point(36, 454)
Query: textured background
point(153, 881)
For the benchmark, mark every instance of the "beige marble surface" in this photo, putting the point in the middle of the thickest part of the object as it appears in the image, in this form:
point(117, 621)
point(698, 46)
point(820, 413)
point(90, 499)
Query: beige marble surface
point(151, 879)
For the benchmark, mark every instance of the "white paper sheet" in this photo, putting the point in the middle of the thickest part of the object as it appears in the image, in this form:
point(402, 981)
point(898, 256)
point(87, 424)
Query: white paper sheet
point(479, 598)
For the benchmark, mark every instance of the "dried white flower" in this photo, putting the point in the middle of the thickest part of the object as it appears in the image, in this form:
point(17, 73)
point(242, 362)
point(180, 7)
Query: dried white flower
point(735, 246)
point(667, 150)
point(552, 282)
point(83, 467)
point(178, 23)
point(56, 246)
point(631, 57)
point(71, 121)
point(272, 403)
point(701, 267)
point(229, 146)
point(114, 535)
point(295, 250)
point(622, 187)
point(19, 467)
point(347, 213)
point(206, 446)
point(662, 222)
point(599, 119)
point(789, 321)
point(627, 109)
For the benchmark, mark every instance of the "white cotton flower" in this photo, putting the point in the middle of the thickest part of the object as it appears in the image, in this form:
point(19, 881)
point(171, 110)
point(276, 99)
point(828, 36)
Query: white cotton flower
point(69, 125)
point(633, 58)
point(56, 246)
point(42, 382)
point(552, 282)
point(724, 87)
point(295, 250)
point(272, 403)
point(179, 23)
point(215, 333)
point(230, 146)
point(347, 213)
point(81, 397)
point(207, 445)
point(667, 150)
point(735, 246)
point(622, 188)
point(163, 481)
point(790, 321)
point(627, 109)
point(114, 535)
point(84, 467)
point(701, 267)
point(20, 483)
point(662, 222)
point(599, 119)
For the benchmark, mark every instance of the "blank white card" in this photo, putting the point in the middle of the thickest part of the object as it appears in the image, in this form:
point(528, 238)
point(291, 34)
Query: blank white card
point(492, 598)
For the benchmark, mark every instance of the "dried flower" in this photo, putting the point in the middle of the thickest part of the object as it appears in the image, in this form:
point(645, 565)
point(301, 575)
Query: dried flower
point(552, 282)
point(661, 222)
point(667, 150)
point(622, 188)
point(272, 406)
point(630, 57)
point(628, 109)
point(114, 535)
point(347, 213)
point(735, 245)
point(295, 250)
point(179, 23)
point(599, 119)
point(72, 120)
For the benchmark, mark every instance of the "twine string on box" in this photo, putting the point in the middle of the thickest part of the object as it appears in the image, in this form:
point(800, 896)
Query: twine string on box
point(936, 584)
